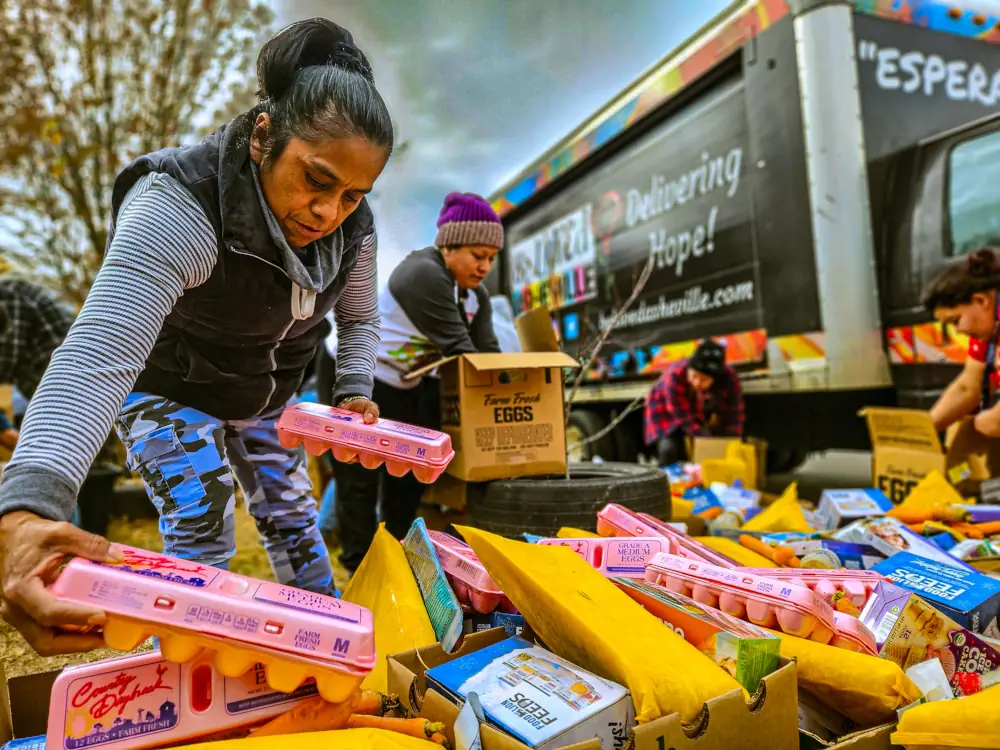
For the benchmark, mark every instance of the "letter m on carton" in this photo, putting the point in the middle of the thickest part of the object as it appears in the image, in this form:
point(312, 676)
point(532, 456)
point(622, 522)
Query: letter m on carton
point(341, 646)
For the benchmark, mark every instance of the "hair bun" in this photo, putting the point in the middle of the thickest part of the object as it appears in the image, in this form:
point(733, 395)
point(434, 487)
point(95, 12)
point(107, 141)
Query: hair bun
point(984, 262)
point(317, 41)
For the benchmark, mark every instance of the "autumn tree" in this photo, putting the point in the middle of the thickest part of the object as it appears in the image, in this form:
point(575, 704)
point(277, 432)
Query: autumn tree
point(88, 85)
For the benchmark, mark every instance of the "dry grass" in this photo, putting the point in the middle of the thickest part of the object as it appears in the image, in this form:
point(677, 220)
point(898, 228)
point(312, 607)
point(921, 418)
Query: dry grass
point(18, 658)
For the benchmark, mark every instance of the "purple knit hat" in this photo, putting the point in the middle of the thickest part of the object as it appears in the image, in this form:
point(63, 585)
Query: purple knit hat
point(467, 219)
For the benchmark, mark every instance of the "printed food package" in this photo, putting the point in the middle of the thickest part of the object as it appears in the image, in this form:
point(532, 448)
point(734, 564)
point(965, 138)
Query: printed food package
point(967, 596)
point(384, 584)
point(828, 553)
point(969, 723)
point(866, 689)
point(533, 695)
point(908, 631)
point(585, 618)
point(890, 536)
point(838, 506)
point(616, 556)
point(442, 606)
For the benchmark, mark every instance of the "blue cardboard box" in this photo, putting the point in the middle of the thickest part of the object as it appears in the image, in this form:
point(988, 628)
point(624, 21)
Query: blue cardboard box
point(839, 506)
point(968, 597)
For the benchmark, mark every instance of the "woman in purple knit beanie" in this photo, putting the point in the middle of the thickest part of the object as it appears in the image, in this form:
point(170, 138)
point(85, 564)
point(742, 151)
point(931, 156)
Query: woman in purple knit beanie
point(434, 305)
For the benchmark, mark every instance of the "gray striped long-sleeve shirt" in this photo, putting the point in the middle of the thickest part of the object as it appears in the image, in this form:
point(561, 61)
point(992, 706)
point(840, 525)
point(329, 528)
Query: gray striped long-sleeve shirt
point(163, 244)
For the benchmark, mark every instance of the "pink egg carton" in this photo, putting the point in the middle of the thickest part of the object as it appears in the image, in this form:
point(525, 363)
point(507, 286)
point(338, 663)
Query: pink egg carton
point(145, 701)
point(193, 608)
point(401, 447)
point(856, 585)
point(615, 520)
point(472, 585)
point(769, 603)
point(853, 635)
point(617, 557)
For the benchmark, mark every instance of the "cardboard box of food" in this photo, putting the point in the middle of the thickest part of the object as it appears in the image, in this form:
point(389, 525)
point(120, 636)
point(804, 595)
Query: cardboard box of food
point(839, 506)
point(504, 413)
point(906, 448)
point(729, 722)
point(702, 449)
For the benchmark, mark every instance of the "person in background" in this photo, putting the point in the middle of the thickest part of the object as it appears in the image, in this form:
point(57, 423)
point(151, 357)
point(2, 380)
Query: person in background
point(964, 295)
point(433, 306)
point(696, 397)
point(32, 326)
point(223, 261)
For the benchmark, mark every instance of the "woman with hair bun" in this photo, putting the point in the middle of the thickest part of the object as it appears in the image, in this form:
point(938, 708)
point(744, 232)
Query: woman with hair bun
point(964, 295)
point(223, 261)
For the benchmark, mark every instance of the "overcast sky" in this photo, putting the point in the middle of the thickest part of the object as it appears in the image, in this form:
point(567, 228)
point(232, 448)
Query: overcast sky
point(481, 88)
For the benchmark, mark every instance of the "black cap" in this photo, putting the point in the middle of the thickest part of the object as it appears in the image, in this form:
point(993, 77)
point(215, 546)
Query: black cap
point(708, 359)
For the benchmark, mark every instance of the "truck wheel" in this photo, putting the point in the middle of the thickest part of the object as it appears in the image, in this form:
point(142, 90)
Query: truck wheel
point(542, 505)
point(627, 444)
point(785, 461)
point(582, 425)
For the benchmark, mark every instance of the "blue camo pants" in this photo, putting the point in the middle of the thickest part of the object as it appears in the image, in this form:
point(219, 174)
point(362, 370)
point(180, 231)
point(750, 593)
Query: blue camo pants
point(188, 461)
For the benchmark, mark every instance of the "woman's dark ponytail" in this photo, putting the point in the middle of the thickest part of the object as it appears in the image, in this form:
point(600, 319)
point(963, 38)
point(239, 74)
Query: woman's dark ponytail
point(976, 273)
point(316, 83)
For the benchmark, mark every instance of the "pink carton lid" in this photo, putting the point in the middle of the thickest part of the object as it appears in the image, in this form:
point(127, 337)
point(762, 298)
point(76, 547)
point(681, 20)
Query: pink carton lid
point(616, 556)
point(785, 595)
point(616, 520)
point(145, 701)
point(181, 594)
point(398, 444)
point(857, 585)
point(850, 632)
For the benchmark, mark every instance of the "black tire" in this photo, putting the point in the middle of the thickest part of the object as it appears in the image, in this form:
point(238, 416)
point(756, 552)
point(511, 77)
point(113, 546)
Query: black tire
point(785, 460)
point(542, 505)
point(627, 444)
point(586, 424)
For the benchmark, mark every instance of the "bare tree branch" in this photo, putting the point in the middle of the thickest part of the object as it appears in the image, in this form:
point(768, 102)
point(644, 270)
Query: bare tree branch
point(634, 405)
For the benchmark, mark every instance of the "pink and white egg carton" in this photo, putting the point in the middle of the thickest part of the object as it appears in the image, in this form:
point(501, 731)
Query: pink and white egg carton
point(769, 603)
point(853, 635)
point(615, 520)
point(473, 586)
point(146, 701)
point(617, 557)
point(856, 585)
point(195, 609)
point(401, 447)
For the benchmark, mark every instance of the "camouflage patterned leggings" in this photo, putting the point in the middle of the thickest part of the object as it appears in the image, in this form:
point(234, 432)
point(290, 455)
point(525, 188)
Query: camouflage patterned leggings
point(188, 459)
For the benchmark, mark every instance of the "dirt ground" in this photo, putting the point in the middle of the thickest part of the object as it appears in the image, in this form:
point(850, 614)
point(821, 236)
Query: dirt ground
point(19, 658)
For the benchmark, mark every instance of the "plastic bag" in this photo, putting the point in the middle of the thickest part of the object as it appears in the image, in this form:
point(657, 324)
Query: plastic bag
point(866, 689)
point(585, 618)
point(784, 514)
point(971, 722)
point(736, 552)
point(932, 491)
point(341, 739)
point(568, 532)
point(385, 585)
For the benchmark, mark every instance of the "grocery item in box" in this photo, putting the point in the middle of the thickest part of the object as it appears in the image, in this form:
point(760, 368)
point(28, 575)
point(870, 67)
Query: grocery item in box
point(853, 635)
point(968, 597)
point(468, 578)
point(533, 695)
point(442, 606)
point(971, 550)
point(908, 630)
point(193, 607)
point(748, 660)
point(793, 609)
point(616, 556)
point(828, 553)
point(890, 536)
point(617, 520)
point(970, 723)
point(401, 447)
point(856, 585)
point(838, 506)
point(512, 624)
point(145, 701)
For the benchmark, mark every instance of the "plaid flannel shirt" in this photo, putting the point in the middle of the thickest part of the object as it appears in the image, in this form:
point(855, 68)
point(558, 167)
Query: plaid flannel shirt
point(32, 326)
point(673, 406)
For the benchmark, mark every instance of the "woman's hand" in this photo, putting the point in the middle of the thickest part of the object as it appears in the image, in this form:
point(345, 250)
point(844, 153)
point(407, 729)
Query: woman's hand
point(32, 550)
point(362, 406)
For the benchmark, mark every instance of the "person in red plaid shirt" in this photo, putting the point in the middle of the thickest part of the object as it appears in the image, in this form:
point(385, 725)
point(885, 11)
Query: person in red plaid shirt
point(696, 397)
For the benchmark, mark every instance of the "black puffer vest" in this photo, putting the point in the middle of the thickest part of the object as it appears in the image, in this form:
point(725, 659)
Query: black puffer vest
point(232, 347)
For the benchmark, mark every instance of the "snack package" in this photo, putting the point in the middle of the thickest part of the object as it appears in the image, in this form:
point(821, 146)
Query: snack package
point(587, 619)
point(838, 506)
point(890, 536)
point(966, 596)
point(970, 723)
point(384, 584)
point(784, 514)
point(748, 660)
point(908, 631)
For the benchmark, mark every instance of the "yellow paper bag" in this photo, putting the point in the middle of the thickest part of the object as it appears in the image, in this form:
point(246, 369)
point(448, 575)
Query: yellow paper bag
point(586, 619)
point(385, 585)
point(866, 689)
point(341, 739)
point(931, 492)
point(971, 722)
point(784, 514)
point(568, 532)
point(737, 552)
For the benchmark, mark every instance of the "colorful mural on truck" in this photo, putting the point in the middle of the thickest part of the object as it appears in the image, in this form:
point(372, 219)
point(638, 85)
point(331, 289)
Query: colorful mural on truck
point(978, 19)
